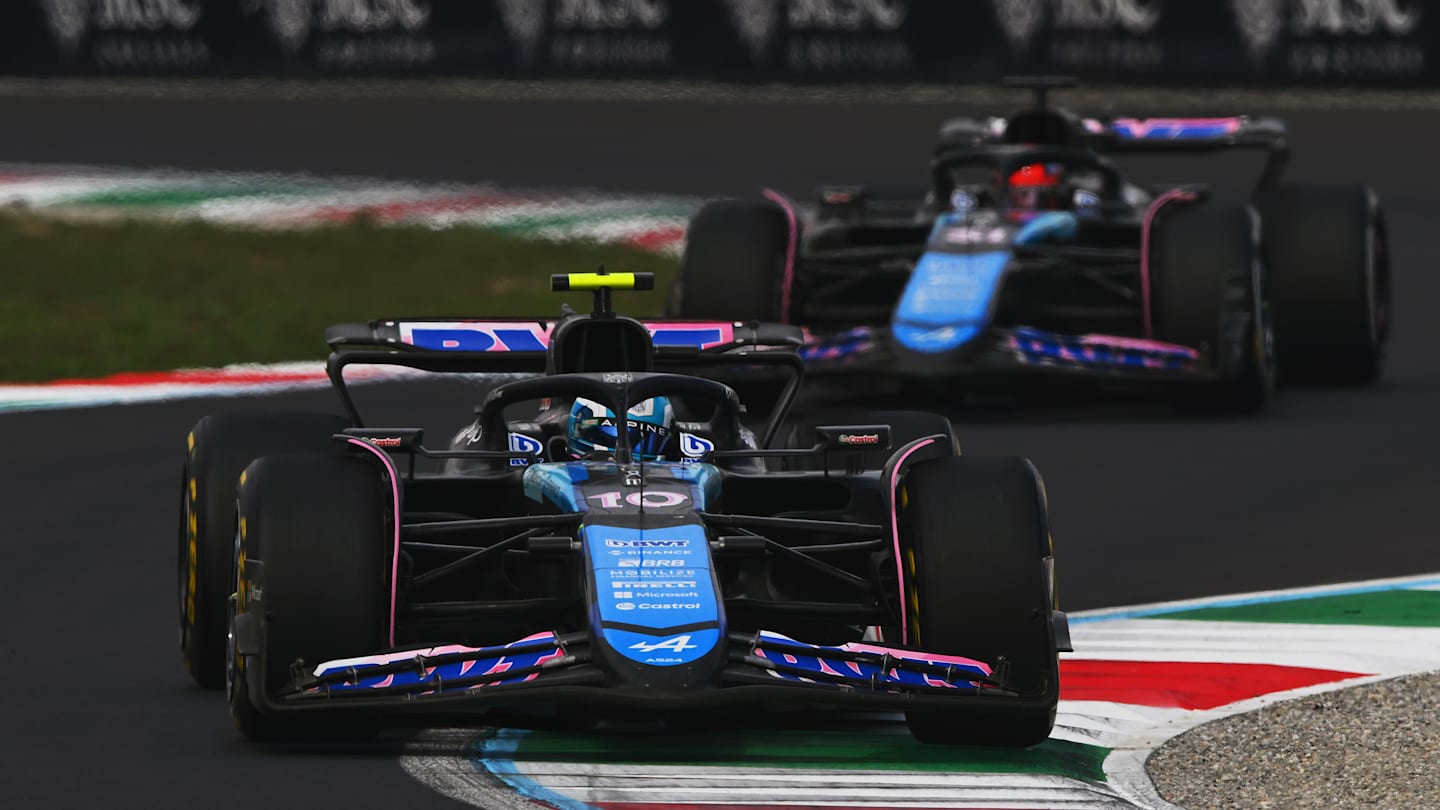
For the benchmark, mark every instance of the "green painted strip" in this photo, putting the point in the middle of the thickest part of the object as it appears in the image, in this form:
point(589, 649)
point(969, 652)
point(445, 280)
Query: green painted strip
point(807, 749)
point(172, 196)
point(1396, 608)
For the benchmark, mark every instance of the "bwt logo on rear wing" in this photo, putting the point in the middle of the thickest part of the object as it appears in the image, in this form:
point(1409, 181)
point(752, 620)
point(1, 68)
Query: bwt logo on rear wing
point(533, 336)
point(1169, 128)
point(1240, 130)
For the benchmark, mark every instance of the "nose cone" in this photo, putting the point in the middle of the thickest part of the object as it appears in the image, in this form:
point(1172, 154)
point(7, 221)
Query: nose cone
point(949, 300)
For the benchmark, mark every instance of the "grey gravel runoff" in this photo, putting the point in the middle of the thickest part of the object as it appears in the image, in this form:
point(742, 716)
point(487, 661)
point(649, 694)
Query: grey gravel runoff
point(1372, 746)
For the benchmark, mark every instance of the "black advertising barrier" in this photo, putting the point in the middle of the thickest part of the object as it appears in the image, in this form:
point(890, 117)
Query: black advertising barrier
point(1177, 42)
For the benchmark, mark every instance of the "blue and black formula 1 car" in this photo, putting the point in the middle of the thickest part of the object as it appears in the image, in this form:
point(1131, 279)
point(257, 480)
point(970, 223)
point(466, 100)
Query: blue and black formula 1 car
point(681, 557)
point(1032, 253)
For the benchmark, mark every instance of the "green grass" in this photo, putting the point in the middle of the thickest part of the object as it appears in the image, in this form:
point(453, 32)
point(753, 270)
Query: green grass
point(88, 299)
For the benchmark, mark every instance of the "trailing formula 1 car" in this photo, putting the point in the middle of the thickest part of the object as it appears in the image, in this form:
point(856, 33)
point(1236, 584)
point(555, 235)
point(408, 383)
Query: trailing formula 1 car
point(1032, 253)
point(681, 556)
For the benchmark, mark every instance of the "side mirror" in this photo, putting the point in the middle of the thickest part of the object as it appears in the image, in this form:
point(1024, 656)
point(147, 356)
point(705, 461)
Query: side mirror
point(854, 438)
point(393, 440)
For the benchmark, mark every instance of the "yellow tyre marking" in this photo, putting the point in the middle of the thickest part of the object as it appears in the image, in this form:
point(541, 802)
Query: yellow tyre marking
point(191, 563)
point(242, 595)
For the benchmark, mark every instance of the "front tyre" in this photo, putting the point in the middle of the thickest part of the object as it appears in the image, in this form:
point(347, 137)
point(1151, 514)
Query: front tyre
point(975, 541)
point(317, 524)
point(1209, 293)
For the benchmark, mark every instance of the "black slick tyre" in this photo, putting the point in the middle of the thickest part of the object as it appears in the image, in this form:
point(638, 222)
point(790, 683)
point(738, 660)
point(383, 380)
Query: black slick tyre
point(317, 526)
point(1328, 255)
point(975, 539)
point(734, 263)
point(217, 449)
point(1209, 293)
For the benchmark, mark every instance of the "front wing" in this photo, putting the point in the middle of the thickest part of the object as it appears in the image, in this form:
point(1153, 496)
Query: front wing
point(547, 667)
point(1009, 350)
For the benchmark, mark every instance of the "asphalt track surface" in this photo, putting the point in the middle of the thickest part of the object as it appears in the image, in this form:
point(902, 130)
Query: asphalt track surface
point(1329, 486)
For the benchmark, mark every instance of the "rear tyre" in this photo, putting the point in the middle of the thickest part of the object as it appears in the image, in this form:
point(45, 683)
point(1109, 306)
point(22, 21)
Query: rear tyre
point(976, 544)
point(218, 448)
point(1208, 292)
point(736, 252)
point(317, 525)
point(1328, 256)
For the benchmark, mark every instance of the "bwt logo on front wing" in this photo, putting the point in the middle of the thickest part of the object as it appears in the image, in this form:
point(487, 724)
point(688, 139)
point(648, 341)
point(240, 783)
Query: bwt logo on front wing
point(647, 543)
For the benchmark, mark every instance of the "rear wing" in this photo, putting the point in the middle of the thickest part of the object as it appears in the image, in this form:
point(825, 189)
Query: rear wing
point(1046, 125)
point(1195, 135)
point(520, 345)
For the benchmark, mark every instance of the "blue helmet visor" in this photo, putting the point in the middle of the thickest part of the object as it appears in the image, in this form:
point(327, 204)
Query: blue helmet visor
point(647, 440)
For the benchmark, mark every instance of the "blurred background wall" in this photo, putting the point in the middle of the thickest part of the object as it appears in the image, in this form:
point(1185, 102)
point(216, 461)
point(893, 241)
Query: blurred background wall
point(1194, 43)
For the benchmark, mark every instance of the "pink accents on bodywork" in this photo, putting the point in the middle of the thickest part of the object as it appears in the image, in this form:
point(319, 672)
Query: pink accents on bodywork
point(895, 535)
point(1159, 202)
point(911, 655)
point(788, 279)
point(670, 330)
point(390, 658)
point(395, 503)
point(1114, 342)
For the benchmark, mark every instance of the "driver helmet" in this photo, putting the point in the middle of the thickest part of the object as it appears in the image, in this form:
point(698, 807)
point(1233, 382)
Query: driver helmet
point(592, 428)
point(1038, 186)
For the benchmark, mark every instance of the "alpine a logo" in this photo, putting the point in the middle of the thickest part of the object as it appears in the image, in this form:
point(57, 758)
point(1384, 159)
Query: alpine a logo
point(678, 644)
